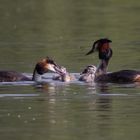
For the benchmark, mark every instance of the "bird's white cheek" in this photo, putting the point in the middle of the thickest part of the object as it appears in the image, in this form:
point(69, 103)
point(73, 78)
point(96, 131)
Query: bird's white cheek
point(51, 68)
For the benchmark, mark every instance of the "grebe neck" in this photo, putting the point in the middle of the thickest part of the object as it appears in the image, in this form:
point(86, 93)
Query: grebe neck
point(36, 77)
point(102, 68)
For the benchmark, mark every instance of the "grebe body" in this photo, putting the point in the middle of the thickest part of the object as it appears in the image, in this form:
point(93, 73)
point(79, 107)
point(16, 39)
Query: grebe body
point(43, 66)
point(122, 76)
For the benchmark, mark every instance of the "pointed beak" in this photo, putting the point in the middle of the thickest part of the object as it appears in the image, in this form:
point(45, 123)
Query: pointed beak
point(57, 69)
point(94, 48)
point(90, 52)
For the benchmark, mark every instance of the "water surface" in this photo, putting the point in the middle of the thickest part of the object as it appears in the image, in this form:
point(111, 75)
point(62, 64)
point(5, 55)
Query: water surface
point(65, 31)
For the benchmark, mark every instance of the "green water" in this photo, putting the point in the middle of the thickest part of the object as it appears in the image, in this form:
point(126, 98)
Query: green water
point(65, 30)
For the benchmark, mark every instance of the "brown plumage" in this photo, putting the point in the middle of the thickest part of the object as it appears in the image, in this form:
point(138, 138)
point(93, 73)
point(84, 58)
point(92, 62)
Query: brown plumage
point(122, 76)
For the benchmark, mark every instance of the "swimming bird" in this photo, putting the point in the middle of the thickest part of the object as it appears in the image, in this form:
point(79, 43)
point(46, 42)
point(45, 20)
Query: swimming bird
point(43, 66)
point(105, 53)
point(88, 74)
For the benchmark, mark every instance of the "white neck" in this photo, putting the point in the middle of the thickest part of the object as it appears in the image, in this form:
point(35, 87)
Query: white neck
point(36, 77)
point(102, 68)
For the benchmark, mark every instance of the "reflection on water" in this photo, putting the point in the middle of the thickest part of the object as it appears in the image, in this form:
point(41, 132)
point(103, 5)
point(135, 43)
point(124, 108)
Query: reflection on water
point(65, 30)
point(67, 111)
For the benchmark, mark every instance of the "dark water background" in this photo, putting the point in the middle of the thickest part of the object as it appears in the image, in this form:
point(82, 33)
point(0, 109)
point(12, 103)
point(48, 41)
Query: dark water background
point(65, 30)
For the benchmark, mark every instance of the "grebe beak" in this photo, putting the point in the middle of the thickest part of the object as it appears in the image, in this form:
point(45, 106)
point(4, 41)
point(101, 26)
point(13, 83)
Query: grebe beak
point(61, 70)
point(97, 44)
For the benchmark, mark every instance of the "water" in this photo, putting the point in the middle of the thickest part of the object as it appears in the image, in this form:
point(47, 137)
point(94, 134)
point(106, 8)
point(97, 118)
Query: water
point(65, 31)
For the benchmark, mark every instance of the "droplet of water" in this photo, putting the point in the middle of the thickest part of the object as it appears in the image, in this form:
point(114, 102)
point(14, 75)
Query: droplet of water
point(29, 107)
point(53, 121)
point(25, 121)
point(33, 119)
point(8, 114)
point(19, 116)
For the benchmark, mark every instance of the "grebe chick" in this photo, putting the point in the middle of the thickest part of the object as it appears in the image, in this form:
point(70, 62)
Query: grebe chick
point(101, 75)
point(88, 74)
point(64, 76)
point(41, 67)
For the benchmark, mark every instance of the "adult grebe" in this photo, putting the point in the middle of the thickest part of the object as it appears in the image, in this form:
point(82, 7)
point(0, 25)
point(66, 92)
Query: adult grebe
point(101, 75)
point(41, 67)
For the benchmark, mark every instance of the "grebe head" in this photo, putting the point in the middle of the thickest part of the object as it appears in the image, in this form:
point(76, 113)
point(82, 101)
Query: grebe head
point(105, 53)
point(46, 65)
point(102, 46)
point(88, 74)
point(43, 66)
point(97, 45)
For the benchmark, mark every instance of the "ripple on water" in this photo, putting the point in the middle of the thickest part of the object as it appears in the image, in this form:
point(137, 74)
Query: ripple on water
point(18, 95)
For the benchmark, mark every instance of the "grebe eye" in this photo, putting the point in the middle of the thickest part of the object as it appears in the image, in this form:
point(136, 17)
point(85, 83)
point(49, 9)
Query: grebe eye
point(48, 60)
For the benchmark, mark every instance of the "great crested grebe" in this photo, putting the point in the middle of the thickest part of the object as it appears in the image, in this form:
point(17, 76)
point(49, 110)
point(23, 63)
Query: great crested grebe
point(101, 75)
point(43, 66)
